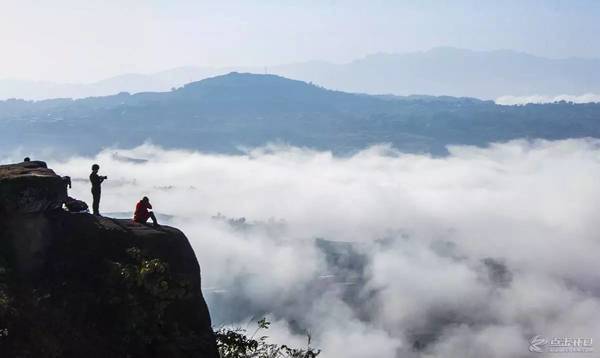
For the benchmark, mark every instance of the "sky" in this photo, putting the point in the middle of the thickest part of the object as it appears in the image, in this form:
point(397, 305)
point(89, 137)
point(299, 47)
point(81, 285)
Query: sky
point(479, 250)
point(85, 41)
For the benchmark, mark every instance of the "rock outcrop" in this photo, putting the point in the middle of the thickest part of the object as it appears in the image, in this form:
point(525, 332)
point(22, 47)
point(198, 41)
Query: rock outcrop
point(77, 285)
point(30, 187)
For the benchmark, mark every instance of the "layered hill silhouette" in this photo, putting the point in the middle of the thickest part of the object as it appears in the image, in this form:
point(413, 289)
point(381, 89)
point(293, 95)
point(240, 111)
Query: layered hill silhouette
point(224, 113)
point(439, 71)
point(456, 72)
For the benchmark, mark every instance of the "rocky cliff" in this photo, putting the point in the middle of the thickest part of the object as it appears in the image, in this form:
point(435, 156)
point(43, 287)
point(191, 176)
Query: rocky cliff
point(77, 285)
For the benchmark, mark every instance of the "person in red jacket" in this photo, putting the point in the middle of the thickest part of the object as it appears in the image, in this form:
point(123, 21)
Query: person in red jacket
point(142, 214)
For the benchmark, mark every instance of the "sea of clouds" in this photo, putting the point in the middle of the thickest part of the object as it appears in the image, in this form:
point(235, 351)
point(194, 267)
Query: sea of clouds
point(468, 255)
point(521, 100)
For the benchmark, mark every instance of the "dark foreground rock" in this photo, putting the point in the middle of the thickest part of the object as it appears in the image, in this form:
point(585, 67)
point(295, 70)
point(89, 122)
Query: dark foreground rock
point(77, 285)
point(29, 187)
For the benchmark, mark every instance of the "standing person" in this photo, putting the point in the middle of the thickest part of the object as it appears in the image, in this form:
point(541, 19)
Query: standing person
point(96, 181)
point(142, 214)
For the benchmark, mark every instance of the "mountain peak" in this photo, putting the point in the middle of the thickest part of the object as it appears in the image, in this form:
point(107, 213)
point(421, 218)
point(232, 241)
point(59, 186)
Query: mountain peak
point(249, 85)
point(244, 79)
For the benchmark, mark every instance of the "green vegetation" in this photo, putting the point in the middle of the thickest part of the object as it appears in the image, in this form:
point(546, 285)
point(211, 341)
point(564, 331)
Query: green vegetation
point(124, 311)
point(234, 343)
point(140, 291)
point(224, 113)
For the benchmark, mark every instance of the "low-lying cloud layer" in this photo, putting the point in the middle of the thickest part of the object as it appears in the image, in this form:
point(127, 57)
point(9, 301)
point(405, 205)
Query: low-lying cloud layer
point(520, 100)
point(463, 256)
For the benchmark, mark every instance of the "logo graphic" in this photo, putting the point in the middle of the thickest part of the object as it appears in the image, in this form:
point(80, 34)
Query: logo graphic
point(537, 344)
point(541, 344)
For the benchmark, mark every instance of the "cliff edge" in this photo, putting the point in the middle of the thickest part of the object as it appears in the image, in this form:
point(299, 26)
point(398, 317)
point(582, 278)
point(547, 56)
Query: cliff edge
point(75, 285)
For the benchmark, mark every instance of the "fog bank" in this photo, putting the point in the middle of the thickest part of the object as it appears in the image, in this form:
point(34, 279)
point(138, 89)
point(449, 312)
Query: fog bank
point(467, 255)
point(520, 100)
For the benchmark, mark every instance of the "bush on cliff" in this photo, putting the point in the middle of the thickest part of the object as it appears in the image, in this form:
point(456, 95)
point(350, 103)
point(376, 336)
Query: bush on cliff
point(235, 343)
point(121, 310)
point(140, 290)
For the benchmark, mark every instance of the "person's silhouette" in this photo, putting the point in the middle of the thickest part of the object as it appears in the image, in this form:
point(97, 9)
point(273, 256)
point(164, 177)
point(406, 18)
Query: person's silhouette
point(142, 214)
point(26, 159)
point(67, 181)
point(96, 181)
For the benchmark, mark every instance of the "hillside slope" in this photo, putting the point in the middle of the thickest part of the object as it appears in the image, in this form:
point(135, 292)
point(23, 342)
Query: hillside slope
point(224, 113)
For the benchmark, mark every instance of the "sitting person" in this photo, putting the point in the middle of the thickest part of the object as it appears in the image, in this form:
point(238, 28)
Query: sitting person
point(142, 214)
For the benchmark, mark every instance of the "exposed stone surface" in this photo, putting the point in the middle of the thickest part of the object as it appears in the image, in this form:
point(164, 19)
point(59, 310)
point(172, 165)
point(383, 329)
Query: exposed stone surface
point(59, 275)
point(29, 187)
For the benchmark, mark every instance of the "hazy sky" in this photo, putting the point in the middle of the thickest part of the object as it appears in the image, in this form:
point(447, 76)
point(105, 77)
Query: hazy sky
point(73, 40)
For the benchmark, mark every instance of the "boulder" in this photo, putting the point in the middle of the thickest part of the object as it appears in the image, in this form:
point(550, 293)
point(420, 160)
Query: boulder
point(30, 187)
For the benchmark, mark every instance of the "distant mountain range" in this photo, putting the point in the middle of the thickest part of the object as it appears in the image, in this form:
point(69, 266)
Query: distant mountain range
point(440, 71)
point(225, 113)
